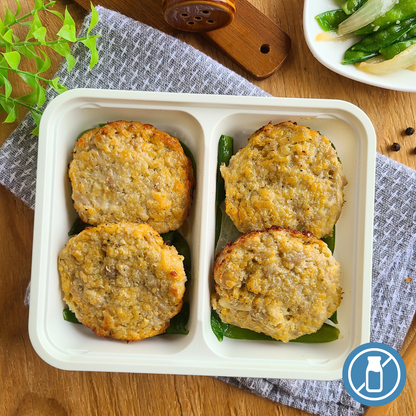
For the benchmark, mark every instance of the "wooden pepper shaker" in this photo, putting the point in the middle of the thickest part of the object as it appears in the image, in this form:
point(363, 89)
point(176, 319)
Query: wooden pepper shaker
point(198, 16)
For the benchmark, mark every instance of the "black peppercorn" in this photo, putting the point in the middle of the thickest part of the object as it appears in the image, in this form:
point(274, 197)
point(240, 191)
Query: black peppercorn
point(395, 147)
point(409, 131)
point(414, 150)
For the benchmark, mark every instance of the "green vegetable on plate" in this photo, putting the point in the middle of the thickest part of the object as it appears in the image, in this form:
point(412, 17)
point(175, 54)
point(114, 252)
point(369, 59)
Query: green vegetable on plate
point(385, 24)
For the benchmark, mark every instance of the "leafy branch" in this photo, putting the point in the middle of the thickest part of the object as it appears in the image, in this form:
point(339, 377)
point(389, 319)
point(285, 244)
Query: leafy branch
point(12, 49)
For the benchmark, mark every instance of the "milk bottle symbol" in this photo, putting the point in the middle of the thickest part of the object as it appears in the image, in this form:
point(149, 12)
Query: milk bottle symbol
point(374, 375)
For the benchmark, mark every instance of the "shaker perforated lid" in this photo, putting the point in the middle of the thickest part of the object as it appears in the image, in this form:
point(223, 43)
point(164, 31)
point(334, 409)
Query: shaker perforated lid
point(198, 16)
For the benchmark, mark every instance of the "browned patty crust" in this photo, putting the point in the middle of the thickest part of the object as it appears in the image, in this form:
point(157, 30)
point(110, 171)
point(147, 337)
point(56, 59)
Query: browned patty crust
point(279, 282)
point(122, 281)
point(287, 175)
point(129, 171)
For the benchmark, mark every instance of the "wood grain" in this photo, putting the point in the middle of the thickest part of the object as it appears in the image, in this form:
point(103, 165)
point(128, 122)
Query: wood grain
point(253, 41)
point(28, 386)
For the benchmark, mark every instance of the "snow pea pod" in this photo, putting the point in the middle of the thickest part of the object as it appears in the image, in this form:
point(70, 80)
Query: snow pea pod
point(350, 6)
point(225, 151)
point(331, 19)
point(327, 333)
point(404, 9)
point(393, 50)
point(371, 44)
point(408, 35)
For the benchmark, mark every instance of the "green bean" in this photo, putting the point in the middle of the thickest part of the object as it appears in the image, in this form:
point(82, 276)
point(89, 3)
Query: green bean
point(78, 226)
point(225, 151)
point(218, 223)
point(178, 323)
point(393, 50)
point(331, 19)
point(69, 316)
point(371, 44)
point(189, 154)
point(404, 9)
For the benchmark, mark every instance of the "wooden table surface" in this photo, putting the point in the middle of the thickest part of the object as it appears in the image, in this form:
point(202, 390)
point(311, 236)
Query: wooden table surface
point(29, 386)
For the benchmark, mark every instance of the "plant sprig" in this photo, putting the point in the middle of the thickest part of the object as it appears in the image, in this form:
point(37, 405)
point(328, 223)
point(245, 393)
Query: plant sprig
point(13, 49)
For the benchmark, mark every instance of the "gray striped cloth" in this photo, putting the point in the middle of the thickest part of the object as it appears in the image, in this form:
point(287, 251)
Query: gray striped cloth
point(134, 56)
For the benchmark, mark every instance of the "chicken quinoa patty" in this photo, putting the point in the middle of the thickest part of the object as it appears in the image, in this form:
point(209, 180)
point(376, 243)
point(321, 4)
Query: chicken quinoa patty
point(288, 176)
point(122, 281)
point(279, 282)
point(129, 171)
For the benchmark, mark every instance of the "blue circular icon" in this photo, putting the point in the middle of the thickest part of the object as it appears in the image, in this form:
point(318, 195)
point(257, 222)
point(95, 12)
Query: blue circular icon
point(374, 374)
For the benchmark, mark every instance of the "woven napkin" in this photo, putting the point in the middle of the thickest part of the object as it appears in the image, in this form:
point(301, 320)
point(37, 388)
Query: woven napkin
point(134, 56)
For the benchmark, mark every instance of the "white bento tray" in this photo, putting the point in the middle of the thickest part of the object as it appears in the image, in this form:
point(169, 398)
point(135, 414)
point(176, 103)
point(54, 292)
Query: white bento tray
point(198, 121)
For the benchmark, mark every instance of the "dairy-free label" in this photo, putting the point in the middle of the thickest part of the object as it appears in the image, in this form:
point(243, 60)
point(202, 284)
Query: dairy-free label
point(374, 374)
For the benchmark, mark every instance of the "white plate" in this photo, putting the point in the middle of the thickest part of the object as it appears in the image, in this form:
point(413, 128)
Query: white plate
point(199, 120)
point(331, 54)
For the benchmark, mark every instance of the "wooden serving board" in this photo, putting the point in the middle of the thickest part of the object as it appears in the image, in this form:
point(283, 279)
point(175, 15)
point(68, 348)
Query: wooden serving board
point(252, 41)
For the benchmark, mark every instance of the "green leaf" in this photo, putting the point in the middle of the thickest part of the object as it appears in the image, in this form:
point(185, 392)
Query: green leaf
point(28, 51)
point(61, 48)
point(60, 15)
point(68, 19)
point(30, 99)
point(69, 316)
point(1, 27)
point(91, 44)
point(94, 19)
point(39, 4)
point(46, 63)
point(10, 18)
point(59, 88)
point(7, 86)
point(12, 58)
point(218, 327)
point(30, 79)
point(64, 50)
point(70, 62)
point(13, 113)
point(40, 34)
point(68, 32)
point(19, 8)
point(36, 24)
point(8, 37)
point(26, 24)
point(36, 118)
point(41, 96)
point(178, 323)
